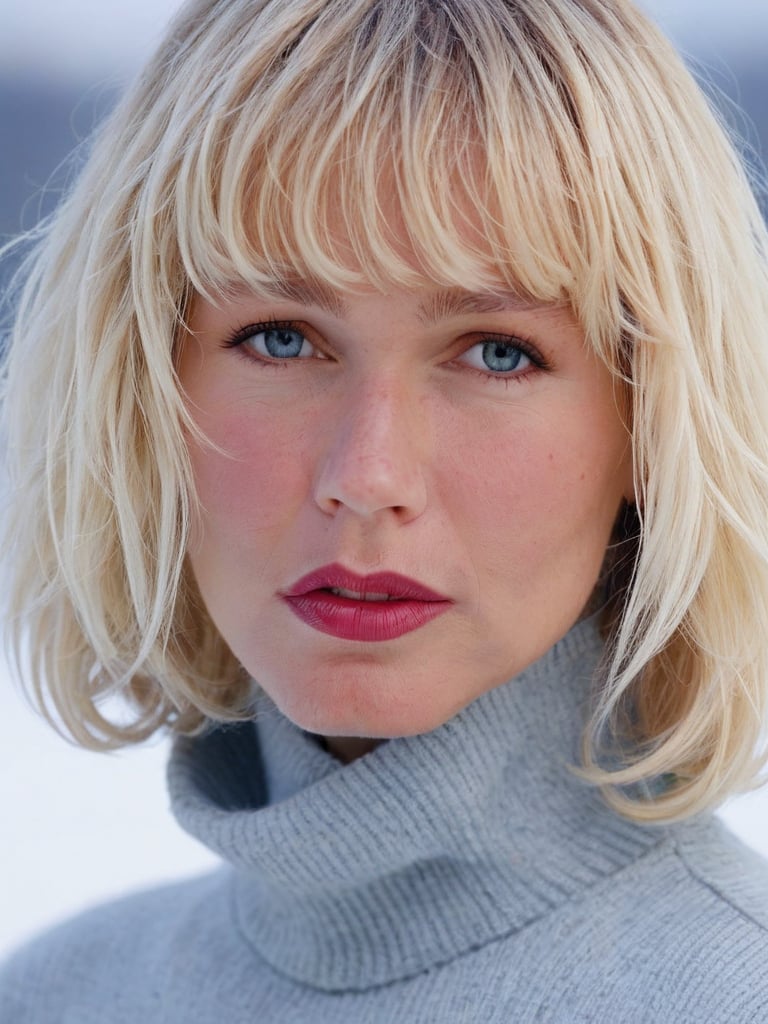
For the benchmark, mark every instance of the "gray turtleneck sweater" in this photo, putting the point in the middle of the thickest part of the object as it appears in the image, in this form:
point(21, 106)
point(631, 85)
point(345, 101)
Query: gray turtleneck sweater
point(466, 875)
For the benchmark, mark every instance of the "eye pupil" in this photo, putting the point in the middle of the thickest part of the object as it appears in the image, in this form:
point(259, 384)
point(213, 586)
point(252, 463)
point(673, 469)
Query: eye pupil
point(501, 357)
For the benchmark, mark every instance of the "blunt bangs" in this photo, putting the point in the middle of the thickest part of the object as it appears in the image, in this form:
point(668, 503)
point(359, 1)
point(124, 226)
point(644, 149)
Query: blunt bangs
point(396, 143)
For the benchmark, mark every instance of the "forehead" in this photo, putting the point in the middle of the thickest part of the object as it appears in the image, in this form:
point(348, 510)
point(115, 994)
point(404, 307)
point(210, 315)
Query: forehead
point(382, 234)
point(435, 303)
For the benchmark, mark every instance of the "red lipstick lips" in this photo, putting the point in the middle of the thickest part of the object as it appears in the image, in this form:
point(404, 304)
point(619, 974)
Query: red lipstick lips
point(381, 606)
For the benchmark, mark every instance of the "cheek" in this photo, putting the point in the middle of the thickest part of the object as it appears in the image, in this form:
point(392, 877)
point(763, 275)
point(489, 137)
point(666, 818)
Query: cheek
point(250, 482)
point(540, 494)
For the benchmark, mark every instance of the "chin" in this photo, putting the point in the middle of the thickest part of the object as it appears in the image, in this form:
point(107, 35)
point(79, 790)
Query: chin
point(357, 709)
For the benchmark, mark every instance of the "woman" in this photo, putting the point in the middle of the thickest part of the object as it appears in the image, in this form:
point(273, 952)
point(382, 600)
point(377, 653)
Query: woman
point(386, 416)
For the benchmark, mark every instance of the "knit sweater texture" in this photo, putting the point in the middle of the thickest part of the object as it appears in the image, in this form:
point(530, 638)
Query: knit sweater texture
point(465, 875)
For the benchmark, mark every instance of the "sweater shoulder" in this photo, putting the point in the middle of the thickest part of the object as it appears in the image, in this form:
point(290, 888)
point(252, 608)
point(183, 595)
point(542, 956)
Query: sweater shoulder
point(679, 935)
point(116, 954)
point(735, 874)
point(697, 947)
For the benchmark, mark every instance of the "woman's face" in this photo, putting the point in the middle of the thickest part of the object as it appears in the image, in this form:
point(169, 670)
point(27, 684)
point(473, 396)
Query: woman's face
point(466, 448)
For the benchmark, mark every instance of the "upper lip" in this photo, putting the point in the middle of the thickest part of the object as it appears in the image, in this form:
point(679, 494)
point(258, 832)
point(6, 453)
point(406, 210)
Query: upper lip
point(390, 583)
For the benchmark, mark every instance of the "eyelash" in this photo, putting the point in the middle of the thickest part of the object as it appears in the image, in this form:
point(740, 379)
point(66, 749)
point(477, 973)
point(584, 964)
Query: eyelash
point(524, 345)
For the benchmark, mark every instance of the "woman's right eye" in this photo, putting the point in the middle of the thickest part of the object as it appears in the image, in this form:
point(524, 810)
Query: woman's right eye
point(274, 341)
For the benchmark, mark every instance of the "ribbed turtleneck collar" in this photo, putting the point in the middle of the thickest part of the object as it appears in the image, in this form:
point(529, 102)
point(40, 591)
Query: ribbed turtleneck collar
point(431, 846)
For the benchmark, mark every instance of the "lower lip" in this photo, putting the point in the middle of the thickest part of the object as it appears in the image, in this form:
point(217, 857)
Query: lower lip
point(366, 621)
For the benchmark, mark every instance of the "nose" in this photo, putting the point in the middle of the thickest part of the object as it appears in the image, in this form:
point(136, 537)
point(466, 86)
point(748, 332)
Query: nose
point(373, 461)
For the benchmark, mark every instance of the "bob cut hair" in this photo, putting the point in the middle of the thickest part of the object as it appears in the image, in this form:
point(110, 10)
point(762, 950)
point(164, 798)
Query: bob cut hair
point(598, 176)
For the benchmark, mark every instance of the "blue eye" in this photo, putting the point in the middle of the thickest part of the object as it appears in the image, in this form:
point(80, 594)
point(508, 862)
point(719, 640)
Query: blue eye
point(280, 343)
point(273, 341)
point(498, 357)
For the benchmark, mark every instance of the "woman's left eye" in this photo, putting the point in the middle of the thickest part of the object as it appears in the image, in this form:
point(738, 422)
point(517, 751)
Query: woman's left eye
point(503, 356)
point(274, 341)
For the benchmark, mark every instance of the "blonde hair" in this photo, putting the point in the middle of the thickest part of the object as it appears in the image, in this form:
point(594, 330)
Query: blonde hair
point(598, 175)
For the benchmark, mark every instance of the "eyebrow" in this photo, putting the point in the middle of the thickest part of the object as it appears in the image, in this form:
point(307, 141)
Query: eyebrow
point(448, 302)
point(440, 305)
point(311, 293)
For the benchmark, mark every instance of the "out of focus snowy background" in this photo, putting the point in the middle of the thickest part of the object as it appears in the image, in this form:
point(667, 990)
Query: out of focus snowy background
point(79, 827)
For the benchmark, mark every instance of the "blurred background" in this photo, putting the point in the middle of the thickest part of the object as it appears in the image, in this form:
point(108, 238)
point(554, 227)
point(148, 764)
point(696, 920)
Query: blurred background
point(80, 827)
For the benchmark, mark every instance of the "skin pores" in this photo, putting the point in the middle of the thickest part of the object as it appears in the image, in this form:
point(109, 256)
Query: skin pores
point(471, 445)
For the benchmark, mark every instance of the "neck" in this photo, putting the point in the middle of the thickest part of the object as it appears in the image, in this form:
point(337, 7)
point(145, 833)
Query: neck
point(349, 748)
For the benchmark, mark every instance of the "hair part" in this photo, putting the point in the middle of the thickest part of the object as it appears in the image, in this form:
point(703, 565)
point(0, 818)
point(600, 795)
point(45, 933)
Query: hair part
point(261, 134)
